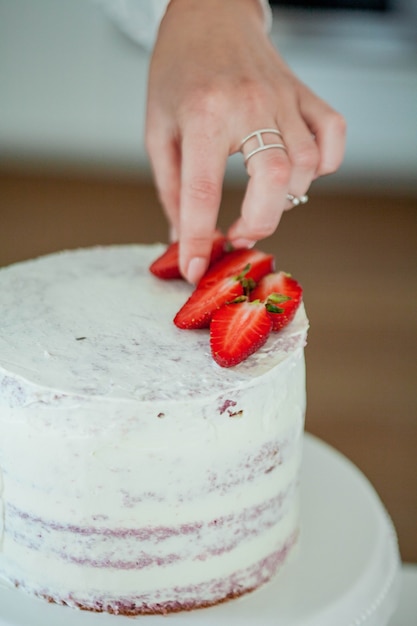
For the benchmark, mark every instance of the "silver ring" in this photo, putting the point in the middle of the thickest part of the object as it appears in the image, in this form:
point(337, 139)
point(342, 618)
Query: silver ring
point(257, 134)
point(296, 200)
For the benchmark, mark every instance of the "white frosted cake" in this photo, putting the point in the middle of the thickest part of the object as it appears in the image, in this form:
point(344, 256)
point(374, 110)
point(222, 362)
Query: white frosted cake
point(136, 475)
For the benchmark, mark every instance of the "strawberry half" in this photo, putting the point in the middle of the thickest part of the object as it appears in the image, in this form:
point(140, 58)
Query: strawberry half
point(282, 296)
point(237, 330)
point(233, 263)
point(200, 306)
point(166, 266)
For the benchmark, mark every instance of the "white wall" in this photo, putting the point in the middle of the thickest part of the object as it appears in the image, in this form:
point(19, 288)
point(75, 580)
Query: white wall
point(72, 90)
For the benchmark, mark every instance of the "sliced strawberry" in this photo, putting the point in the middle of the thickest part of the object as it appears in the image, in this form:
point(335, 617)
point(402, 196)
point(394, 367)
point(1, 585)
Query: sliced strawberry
point(282, 295)
point(237, 330)
point(200, 306)
point(166, 266)
point(233, 263)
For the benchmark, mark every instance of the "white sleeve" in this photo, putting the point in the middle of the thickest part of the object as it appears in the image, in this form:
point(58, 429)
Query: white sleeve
point(265, 6)
point(140, 19)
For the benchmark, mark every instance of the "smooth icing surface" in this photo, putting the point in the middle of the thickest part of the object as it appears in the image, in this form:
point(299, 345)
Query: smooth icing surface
point(136, 475)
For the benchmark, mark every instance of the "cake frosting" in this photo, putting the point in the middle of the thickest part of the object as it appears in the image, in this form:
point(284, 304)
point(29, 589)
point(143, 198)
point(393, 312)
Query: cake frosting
point(136, 475)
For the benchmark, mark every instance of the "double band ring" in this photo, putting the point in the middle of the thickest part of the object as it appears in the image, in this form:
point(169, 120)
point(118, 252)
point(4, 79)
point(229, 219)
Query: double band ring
point(260, 146)
point(257, 134)
point(296, 200)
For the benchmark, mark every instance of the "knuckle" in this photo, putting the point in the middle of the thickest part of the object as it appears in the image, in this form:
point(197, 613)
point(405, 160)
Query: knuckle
point(255, 97)
point(306, 156)
point(206, 102)
point(278, 172)
point(262, 230)
point(338, 124)
point(203, 190)
point(198, 244)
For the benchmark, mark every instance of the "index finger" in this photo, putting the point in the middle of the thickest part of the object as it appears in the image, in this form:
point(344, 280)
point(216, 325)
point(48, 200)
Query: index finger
point(203, 164)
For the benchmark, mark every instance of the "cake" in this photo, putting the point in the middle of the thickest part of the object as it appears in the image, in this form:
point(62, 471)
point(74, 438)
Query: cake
point(136, 475)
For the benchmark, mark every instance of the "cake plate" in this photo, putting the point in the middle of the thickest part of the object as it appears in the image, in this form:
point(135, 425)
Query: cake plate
point(345, 572)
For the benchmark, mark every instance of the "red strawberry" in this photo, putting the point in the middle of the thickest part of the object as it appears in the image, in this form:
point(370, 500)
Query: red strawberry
point(200, 306)
point(282, 296)
point(232, 276)
point(166, 266)
point(233, 263)
point(237, 330)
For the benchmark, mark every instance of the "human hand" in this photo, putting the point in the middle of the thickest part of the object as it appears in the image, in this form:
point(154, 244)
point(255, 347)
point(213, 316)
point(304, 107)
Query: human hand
point(215, 78)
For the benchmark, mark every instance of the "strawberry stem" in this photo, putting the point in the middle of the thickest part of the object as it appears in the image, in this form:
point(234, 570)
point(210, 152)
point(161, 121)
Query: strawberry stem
point(248, 284)
point(238, 300)
point(273, 308)
point(243, 273)
point(278, 298)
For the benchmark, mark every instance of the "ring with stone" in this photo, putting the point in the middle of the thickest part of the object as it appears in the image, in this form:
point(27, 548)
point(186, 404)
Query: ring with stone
point(296, 200)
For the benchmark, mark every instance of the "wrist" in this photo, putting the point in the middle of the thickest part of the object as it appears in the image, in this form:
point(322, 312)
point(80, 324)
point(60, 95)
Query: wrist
point(260, 9)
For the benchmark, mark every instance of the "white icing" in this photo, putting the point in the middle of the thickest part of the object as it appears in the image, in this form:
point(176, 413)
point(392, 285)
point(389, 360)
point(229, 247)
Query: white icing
point(125, 316)
point(2, 512)
point(135, 426)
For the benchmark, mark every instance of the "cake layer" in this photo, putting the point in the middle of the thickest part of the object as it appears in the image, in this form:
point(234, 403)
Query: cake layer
point(134, 471)
point(94, 323)
point(176, 598)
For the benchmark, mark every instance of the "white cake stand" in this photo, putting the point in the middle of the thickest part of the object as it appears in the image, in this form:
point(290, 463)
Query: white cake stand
point(346, 571)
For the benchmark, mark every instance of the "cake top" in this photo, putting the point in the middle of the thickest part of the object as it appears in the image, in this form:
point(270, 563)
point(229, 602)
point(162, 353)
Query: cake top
point(95, 323)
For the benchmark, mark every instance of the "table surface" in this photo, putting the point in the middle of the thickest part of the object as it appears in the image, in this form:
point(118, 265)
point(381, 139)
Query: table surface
point(350, 582)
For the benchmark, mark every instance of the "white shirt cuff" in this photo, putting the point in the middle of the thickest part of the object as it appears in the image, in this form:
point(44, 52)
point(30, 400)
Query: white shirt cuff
point(140, 19)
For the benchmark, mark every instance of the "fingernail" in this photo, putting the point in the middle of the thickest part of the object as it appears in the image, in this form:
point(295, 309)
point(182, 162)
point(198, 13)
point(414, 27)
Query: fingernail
point(243, 243)
point(195, 270)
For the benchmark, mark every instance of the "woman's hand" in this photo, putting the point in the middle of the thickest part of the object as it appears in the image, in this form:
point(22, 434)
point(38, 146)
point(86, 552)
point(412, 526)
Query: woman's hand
point(214, 79)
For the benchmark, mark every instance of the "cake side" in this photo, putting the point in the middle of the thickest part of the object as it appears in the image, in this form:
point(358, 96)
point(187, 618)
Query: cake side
point(136, 505)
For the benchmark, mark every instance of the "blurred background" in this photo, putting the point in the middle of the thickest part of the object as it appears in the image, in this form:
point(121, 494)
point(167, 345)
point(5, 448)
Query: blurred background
point(73, 172)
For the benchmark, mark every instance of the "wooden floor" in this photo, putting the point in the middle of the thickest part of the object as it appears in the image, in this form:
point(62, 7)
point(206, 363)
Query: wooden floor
point(356, 258)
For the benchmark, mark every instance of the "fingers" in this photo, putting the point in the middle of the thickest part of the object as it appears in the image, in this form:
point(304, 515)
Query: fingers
point(189, 187)
point(201, 105)
point(166, 165)
point(329, 129)
point(188, 166)
point(274, 173)
point(314, 136)
point(204, 153)
point(264, 201)
point(303, 152)
point(190, 183)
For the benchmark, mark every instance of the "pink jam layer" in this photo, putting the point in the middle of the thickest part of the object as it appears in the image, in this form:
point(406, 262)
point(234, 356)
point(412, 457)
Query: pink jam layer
point(192, 597)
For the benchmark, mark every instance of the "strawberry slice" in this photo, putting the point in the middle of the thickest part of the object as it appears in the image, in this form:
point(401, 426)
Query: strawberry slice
point(200, 306)
point(166, 266)
point(237, 330)
point(232, 276)
point(234, 262)
point(282, 295)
